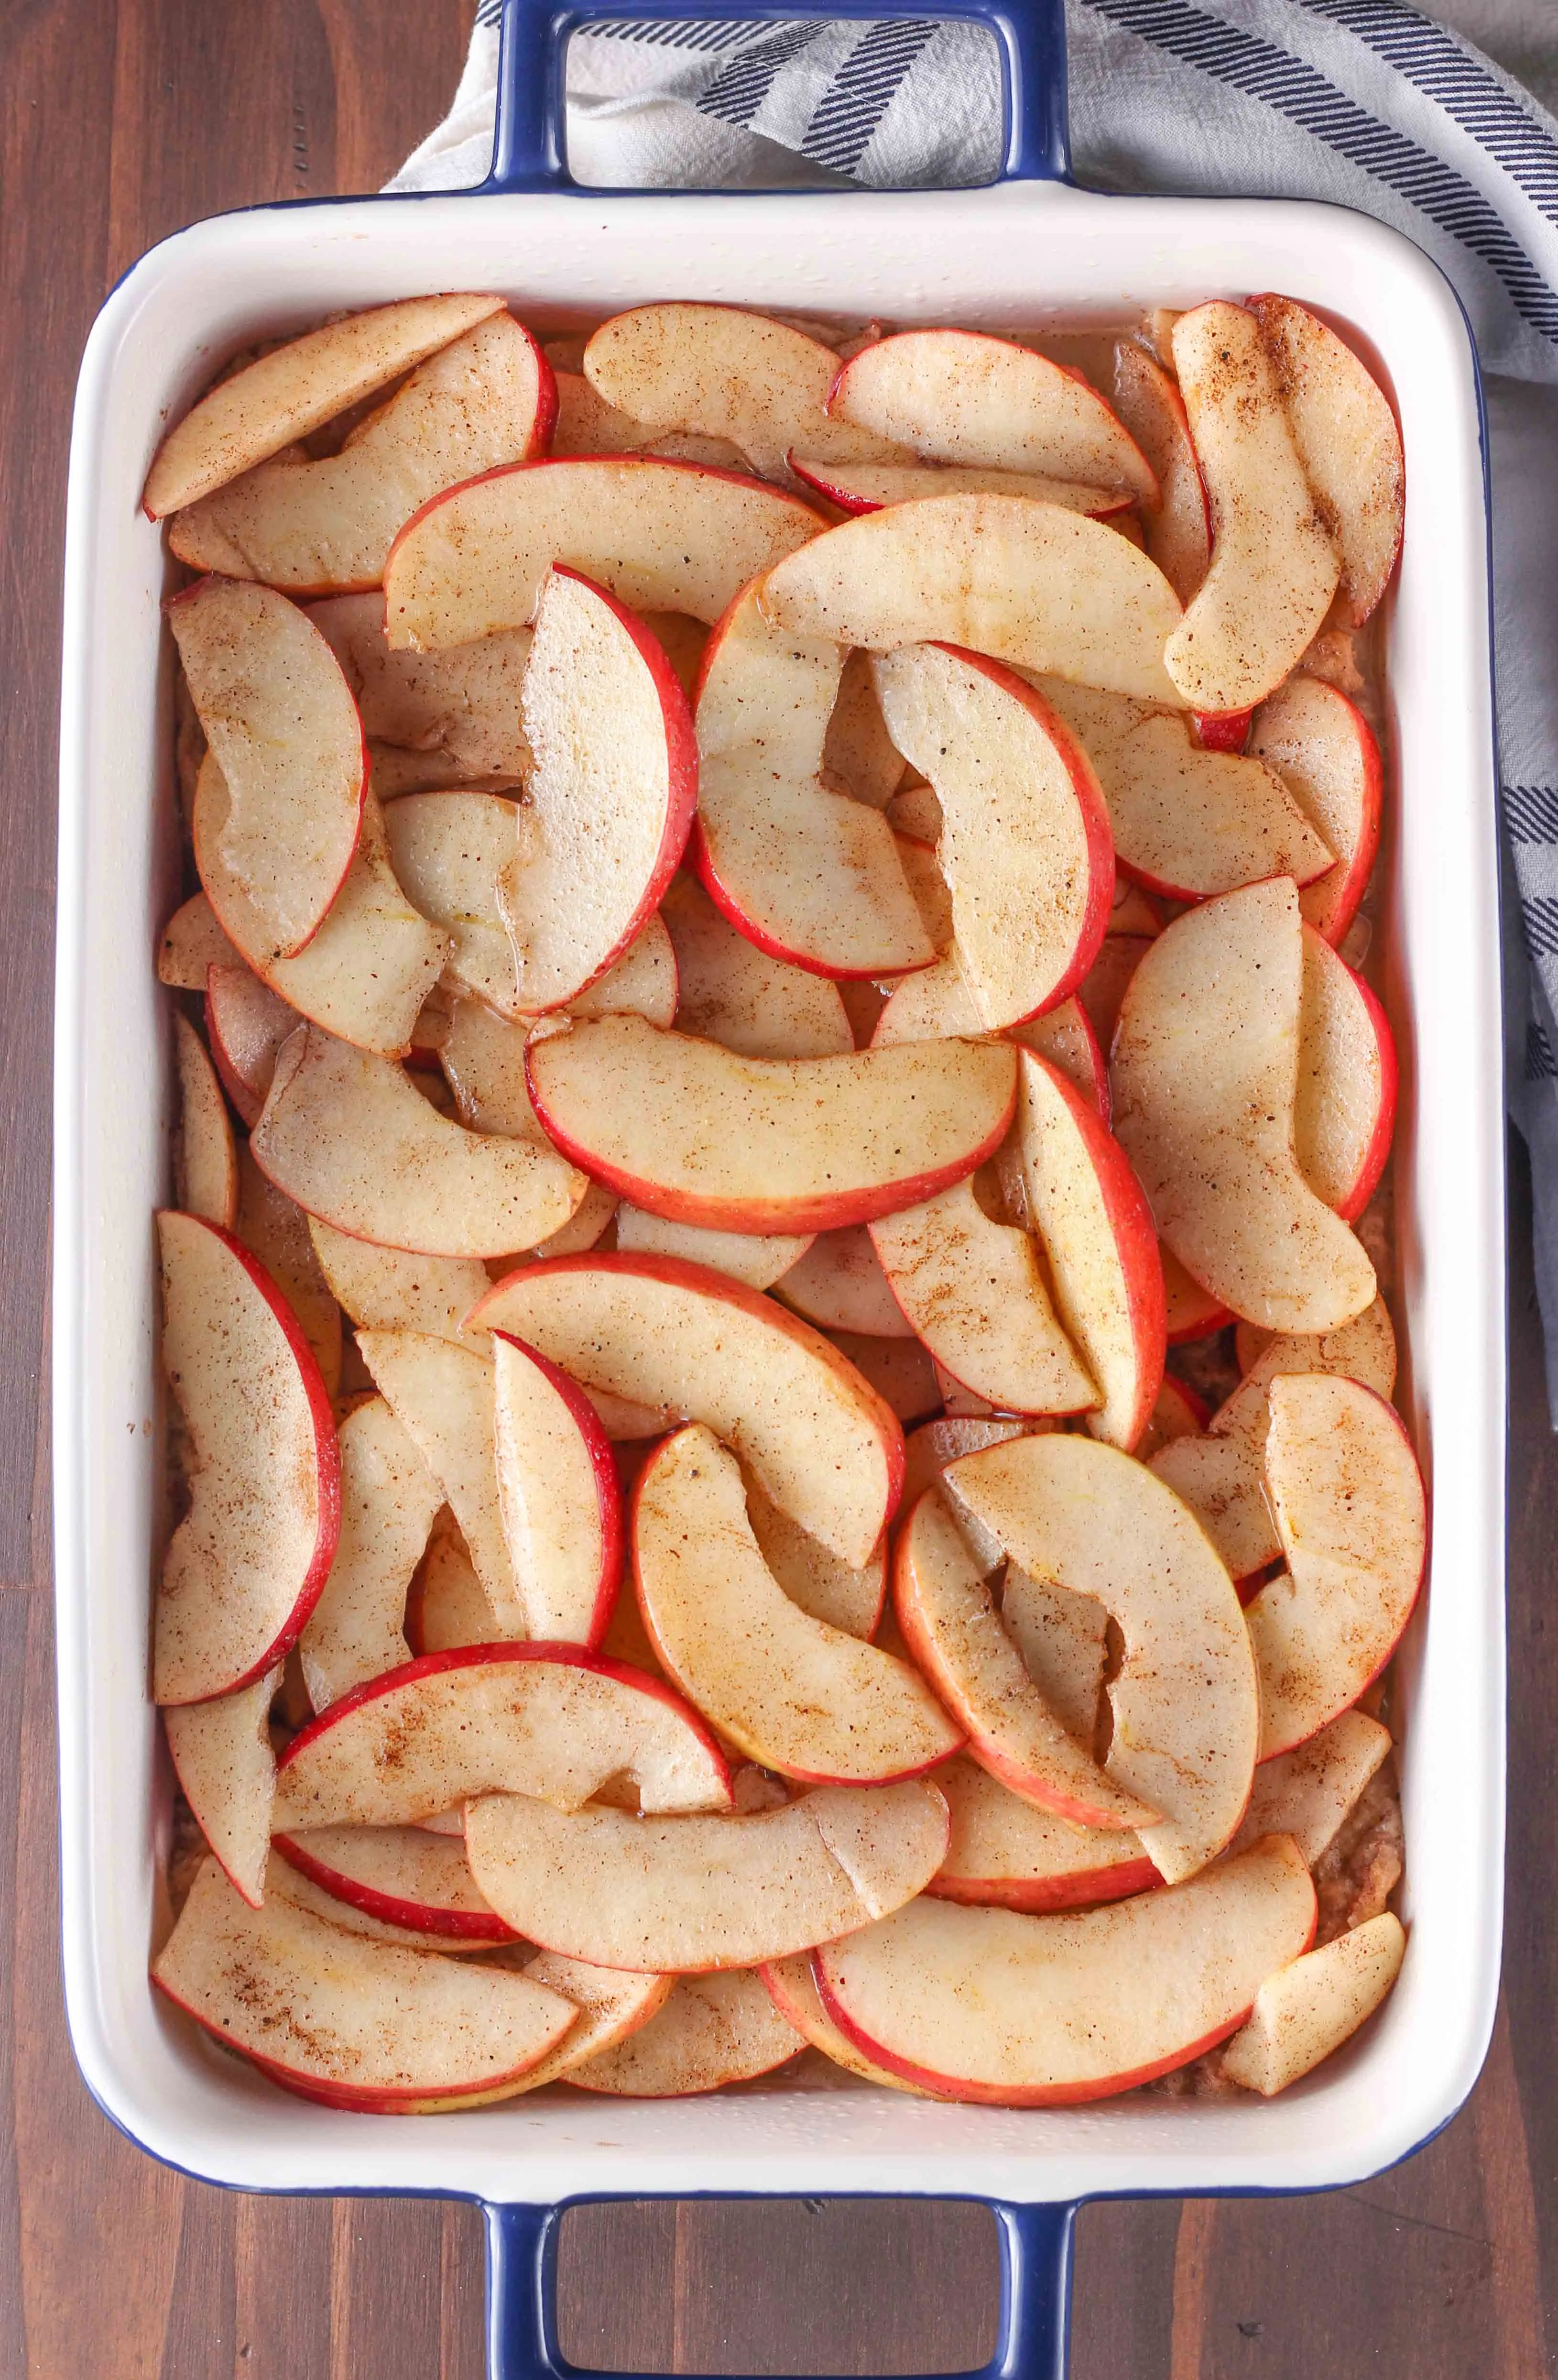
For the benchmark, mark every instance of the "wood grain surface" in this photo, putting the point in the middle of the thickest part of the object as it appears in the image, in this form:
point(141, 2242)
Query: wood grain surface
point(120, 120)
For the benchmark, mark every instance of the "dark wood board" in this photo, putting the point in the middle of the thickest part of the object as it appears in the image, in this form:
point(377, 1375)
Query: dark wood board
point(120, 120)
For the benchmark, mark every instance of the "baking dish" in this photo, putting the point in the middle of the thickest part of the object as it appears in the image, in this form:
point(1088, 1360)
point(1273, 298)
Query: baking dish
point(1026, 249)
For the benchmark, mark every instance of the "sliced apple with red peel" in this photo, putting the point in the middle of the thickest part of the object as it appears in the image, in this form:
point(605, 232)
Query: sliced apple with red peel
point(402, 1875)
point(1179, 526)
point(718, 371)
point(984, 2004)
point(1029, 583)
point(800, 1697)
point(587, 425)
point(369, 970)
point(641, 982)
point(1178, 1413)
point(713, 2030)
point(839, 1284)
point(1308, 1792)
point(496, 1718)
point(928, 1450)
point(296, 389)
point(349, 1135)
point(1220, 1480)
point(556, 1496)
point(809, 875)
point(446, 1605)
point(1101, 992)
point(820, 1441)
point(1275, 567)
point(610, 803)
point(937, 1000)
point(448, 850)
point(964, 397)
point(1346, 1111)
point(443, 1397)
point(1086, 1207)
point(205, 1161)
point(248, 1023)
point(868, 487)
point(1308, 2008)
point(226, 1772)
point(694, 1132)
point(662, 536)
point(390, 1290)
point(687, 1895)
point(949, 1622)
point(1324, 749)
point(730, 991)
point(1025, 847)
point(612, 2007)
point(794, 1994)
point(1351, 1514)
point(456, 711)
point(345, 2020)
point(1007, 1853)
point(1063, 1637)
point(756, 1259)
point(1348, 440)
point(324, 527)
point(276, 1231)
point(192, 944)
point(1077, 1514)
point(1190, 1312)
point(283, 1882)
point(1187, 822)
point(389, 1499)
point(248, 1563)
point(281, 722)
point(846, 1595)
point(1205, 1068)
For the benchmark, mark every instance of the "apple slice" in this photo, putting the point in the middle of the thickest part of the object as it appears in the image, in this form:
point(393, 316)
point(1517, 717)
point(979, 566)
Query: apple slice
point(713, 2030)
point(611, 2007)
point(556, 1496)
point(205, 1163)
point(733, 992)
point(610, 803)
point(248, 1563)
point(1308, 2008)
point(324, 527)
point(1102, 990)
point(1348, 442)
point(661, 536)
point(756, 1259)
point(1077, 1514)
point(1179, 526)
point(1205, 1068)
point(286, 1883)
point(641, 982)
point(928, 1450)
point(446, 1605)
point(962, 397)
point(1025, 847)
point(692, 1131)
point(1273, 565)
point(455, 712)
point(1351, 1513)
point(794, 1994)
point(1086, 1208)
point(810, 876)
point(898, 1370)
point(276, 1231)
point(1188, 822)
point(387, 1288)
point(986, 2005)
point(281, 722)
point(192, 944)
point(1324, 749)
point(1346, 1111)
point(859, 757)
point(1189, 1311)
point(246, 1023)
point(352, 2022)
point(587, 425)
point(867, 487)
point(369, 968)
point(296, 389)
point(846, 1595)
point(803, 1698)
point(448, 850)
point(1063, 1637)
point(1029, 584)
point(1308, 1792)
point(839, 1284)
point(349, 1135)
point(389, 1499)
point(718, 371)
point(685, 1895)
point(496, 1718)
point(443, 1397)
point(937, 1000)
point(226, 1772)
point(949, 1622)
point(1007, 1853)
point(402, 1875)
point(669, 1335)
point(1178, 1413)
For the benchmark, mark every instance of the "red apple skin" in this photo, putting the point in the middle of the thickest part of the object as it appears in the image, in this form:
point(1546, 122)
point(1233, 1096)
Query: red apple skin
point(603, 1469)
point(1037, 1896)
point(460, 1925)
point(849, 501)
point(678, 1273)
point(460, 1656)
point(1215, 1318)
point(829, 1212)
point(367, 2103)
point(1099, 1066)
point(1344, 902)
point(327, 1455)
point(1377, 1154)
point(1223, 731)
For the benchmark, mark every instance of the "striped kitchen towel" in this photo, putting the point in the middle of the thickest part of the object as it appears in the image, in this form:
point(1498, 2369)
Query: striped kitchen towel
point(1370, 102)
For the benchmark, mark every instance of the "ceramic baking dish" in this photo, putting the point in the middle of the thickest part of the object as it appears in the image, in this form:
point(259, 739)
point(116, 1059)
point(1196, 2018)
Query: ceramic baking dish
point(1022, 252)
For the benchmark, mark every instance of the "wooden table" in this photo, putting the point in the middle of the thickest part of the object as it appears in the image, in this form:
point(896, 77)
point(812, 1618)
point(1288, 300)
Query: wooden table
point(123, 119)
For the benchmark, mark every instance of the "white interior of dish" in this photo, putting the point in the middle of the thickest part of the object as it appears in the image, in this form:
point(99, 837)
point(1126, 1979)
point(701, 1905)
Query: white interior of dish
point(1013, 257)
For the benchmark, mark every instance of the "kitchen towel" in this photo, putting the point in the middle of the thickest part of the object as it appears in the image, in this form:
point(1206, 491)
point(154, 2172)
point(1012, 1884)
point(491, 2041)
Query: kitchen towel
point(1367, 103)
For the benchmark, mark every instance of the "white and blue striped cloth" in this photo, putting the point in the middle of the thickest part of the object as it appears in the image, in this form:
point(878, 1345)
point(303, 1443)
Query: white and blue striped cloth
point(1366, 101)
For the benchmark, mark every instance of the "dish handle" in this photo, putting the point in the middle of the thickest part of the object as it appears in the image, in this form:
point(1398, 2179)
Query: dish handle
point(528, 149)
point(1035, 2251)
